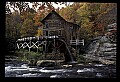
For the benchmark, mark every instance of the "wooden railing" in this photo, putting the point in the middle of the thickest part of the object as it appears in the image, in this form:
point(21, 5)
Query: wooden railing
point(77, 42)
point(30, 44)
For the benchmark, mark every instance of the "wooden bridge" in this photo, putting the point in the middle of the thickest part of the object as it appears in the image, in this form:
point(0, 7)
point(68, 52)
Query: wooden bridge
point(48, 45)
point(36, 42)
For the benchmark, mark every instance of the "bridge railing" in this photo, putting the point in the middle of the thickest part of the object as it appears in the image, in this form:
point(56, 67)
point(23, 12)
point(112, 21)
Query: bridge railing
point(77, 42)
point(28, 38)
point(35, 37)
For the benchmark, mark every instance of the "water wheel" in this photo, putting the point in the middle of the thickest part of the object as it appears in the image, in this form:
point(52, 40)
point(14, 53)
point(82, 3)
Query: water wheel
point(58, 48)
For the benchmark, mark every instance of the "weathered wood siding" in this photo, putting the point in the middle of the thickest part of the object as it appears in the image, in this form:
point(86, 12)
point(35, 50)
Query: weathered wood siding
point(53, 22)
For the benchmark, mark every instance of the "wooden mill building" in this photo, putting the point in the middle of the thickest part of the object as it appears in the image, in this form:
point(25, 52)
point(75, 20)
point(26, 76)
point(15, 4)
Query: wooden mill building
point(55, 25)
point(60, 38)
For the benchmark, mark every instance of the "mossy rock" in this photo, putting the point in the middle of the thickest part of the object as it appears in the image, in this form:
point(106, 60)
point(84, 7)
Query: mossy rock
point(46, 63)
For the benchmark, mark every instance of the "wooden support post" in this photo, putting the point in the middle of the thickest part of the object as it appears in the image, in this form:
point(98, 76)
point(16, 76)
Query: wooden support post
point(45, 46)
point(30, 45)
point(37, 49)
point(29, 49)
point(37, 45)
point(18, 46)
point(45, 49)
point(83, 41)
point(76, 49)
point(54, 47)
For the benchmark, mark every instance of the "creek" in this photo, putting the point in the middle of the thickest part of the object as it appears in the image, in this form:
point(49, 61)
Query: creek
point(22, 69)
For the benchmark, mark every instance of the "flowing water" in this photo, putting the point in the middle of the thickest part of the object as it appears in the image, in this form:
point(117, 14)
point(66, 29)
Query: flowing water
point(21, 69)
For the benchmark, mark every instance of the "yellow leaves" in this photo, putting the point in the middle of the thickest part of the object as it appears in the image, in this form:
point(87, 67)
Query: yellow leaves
point(104, 12)
point(86, 22)
point(40, 32)
point(36, 23)
point(69, 14)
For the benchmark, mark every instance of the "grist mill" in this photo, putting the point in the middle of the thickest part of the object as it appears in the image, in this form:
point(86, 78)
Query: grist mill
point(59, 40)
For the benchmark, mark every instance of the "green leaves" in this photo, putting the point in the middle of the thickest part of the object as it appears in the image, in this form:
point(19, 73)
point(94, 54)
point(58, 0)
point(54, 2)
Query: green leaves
point(28, 28)
point(69, 14)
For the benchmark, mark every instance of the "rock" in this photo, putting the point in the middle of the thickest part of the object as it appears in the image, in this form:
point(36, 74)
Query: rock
point(101, 49)
point(108, 62)
point(109, 53)
point(46, 63)
point(32, 63)
point(103, 39)
point(106, 45)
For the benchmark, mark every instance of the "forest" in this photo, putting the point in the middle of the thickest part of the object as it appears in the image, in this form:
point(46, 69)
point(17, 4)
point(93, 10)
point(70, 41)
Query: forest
point(25, 21)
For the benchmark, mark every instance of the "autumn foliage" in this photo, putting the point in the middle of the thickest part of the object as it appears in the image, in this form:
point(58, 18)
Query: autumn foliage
point(92, 17)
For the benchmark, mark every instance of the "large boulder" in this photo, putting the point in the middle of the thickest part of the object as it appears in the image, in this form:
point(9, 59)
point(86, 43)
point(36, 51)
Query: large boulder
point(101, 49)
point(46, 63)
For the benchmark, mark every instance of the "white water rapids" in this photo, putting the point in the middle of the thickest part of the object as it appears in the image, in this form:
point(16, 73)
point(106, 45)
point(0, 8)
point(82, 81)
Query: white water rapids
point(80, 71)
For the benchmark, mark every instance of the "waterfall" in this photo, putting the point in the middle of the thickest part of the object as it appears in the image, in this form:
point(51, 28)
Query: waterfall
point(71, 57)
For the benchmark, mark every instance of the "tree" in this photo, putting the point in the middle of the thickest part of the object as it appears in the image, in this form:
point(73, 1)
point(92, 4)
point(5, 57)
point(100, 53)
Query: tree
point(107, 15)
point(12, 29)
point(69, 14)
point(20, 6)
point(28, 28)
point(12, 25)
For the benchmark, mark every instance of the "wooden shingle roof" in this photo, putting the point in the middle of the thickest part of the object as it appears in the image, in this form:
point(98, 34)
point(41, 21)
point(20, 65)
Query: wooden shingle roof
point(54, 12)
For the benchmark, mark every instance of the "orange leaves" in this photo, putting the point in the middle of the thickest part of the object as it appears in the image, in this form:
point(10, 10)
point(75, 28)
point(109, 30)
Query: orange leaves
point(37, 19)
